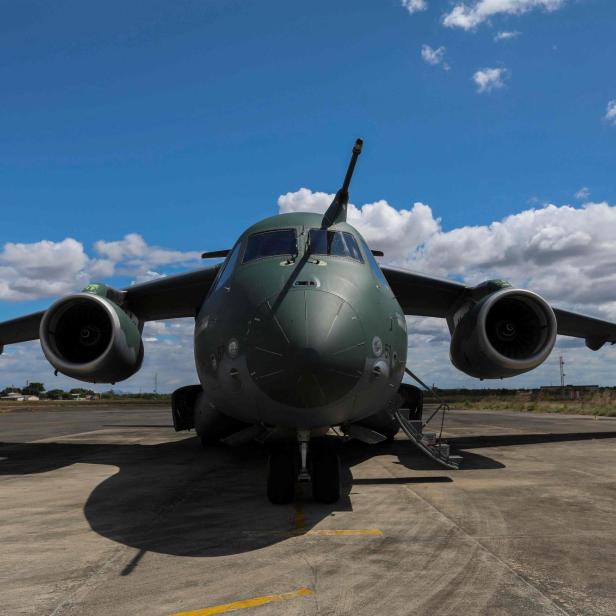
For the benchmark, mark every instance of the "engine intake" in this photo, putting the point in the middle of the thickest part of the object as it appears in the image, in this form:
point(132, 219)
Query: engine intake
point(507, 333)
point(90, 338)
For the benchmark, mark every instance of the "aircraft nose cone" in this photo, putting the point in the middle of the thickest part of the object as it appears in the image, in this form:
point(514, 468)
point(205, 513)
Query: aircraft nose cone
point(307, 349)
point(307, 358)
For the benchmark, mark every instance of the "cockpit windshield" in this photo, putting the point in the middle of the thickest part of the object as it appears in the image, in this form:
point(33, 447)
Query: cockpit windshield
point(334, 243)
point(271, 243)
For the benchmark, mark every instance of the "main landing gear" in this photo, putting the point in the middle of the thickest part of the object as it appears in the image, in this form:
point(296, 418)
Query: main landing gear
point(288, 466)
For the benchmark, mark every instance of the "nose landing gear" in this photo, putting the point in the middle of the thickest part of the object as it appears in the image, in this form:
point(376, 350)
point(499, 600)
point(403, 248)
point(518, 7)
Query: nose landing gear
point(286, 467)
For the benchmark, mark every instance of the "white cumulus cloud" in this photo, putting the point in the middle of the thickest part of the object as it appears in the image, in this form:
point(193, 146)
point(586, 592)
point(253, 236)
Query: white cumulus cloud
point(434, 56)
point(46, 268)
point(506, 35)
point(42, 269)
point(610, 112)
point(488, 79)
point(135, 256)
point(414, 6)
point(583, 193)
point(469, 16)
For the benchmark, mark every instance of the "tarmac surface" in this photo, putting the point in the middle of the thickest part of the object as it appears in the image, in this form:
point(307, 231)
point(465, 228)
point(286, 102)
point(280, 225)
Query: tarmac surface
point(111, 512)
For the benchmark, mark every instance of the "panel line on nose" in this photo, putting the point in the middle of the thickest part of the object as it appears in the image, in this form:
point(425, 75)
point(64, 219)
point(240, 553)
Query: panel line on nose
point(340, 372)
point(278, 323)
point(258, 348)
point(331, 327)
point(318, 384)
point(264, 376)
point(349, 348)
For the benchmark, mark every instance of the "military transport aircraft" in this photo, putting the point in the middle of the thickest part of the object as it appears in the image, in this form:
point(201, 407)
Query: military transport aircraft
point(299, 330)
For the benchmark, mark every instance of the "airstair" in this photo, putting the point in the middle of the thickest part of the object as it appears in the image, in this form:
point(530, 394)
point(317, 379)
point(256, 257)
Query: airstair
point(429, 443)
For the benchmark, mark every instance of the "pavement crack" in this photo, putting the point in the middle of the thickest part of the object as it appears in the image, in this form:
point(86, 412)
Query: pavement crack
point(315, 575)
point(89, 583)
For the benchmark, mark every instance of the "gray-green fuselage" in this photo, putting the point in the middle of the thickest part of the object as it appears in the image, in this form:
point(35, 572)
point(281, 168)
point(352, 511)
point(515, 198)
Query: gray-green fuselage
point(300, 340)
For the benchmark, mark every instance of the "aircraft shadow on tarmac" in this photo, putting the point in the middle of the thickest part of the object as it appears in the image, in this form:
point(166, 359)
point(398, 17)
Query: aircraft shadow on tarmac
point(503, 440)
point(175, 498)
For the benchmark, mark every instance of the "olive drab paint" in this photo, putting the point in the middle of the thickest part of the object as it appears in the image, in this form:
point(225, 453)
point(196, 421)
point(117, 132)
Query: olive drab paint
point(291, 339)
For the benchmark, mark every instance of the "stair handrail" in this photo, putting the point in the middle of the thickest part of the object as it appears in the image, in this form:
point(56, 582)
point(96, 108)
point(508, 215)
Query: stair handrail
point(443, 404)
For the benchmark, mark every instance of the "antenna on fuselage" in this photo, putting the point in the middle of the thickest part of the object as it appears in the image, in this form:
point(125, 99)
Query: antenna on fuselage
point(337, 211)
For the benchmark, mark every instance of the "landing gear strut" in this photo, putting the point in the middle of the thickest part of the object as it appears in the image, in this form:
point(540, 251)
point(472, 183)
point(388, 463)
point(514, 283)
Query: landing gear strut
point(303, 438)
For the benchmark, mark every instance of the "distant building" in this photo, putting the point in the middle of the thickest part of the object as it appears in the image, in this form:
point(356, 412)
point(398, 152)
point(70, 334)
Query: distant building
point(82, 397)
point(17, 397)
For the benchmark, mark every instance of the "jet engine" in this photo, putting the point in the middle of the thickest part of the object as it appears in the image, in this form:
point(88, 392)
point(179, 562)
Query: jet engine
point(89, 337)
point(505, 334)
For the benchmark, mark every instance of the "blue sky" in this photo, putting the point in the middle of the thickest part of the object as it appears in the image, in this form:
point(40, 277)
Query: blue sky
point(184, 122)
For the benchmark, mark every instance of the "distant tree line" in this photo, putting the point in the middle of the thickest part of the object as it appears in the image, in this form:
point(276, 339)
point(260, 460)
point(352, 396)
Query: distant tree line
point(147, 395)
point(38, 389)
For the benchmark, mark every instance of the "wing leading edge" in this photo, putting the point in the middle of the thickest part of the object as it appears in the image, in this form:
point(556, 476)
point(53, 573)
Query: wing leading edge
point(424, 295)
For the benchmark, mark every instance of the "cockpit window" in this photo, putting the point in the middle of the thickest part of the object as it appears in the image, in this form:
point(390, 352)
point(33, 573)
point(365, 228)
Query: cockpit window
point(335, 243)
point(271, 243)
point(378, 272)
point(227, 268)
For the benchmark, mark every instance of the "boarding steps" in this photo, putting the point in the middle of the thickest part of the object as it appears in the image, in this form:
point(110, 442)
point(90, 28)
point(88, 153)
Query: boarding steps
point(428, 442)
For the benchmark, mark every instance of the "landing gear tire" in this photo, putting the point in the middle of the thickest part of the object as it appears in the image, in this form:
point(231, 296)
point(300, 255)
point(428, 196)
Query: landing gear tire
point(281, 477)
point(325, 476)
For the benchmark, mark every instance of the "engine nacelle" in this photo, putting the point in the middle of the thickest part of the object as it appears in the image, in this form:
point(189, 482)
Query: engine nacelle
point(89, 337)
point(505, 334)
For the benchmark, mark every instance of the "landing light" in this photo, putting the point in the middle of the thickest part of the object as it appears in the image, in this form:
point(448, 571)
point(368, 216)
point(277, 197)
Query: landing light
point(377, 346)
point(233, 348)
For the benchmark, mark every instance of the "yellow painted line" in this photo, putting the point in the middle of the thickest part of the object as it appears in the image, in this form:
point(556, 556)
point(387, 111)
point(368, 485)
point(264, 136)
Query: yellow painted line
point(299, 523)
point(331, 532)
point(299, 520)
point(241, 605)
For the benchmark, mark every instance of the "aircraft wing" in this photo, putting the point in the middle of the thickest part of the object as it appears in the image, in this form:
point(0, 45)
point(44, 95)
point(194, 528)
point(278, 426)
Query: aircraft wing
point(164, 298)
point(422, 295)
point(170, 297)
point(595, 331)
point(20, 329)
